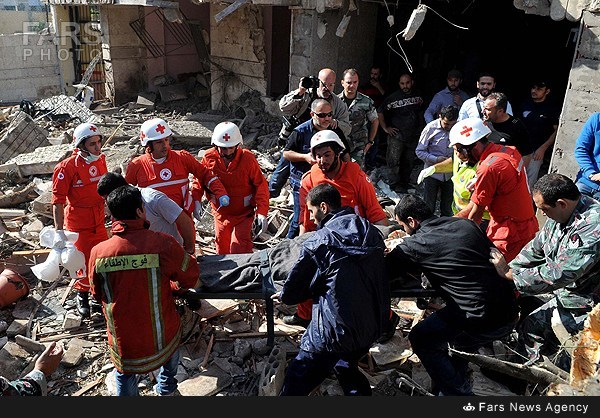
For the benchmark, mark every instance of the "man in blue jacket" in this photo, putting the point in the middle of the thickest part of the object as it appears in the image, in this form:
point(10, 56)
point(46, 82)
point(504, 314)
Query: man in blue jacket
point(587, 154)
point(341, 267)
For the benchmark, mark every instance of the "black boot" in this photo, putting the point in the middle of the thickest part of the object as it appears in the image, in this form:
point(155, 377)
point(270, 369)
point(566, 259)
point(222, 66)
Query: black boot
point(83, 304)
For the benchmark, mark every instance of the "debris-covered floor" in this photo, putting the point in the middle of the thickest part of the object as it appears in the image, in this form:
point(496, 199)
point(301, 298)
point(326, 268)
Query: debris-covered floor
point(225, 350)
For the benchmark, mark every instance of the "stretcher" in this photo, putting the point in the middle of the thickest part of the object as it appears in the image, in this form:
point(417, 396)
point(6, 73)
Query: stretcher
point(261, 274)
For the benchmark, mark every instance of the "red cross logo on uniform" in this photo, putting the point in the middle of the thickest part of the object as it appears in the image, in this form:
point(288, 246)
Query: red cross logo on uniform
point(226, 137)
point(160, 128)
point(93, 128)
point(466, 131)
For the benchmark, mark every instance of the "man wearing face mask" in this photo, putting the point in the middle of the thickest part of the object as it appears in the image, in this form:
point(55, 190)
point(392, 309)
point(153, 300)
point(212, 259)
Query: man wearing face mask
point(240, 172)
point(168, 171)
point(76, 204)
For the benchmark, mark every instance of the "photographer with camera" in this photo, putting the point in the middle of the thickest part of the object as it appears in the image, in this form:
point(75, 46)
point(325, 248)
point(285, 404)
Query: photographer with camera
point(295, 107)
point(297, 152)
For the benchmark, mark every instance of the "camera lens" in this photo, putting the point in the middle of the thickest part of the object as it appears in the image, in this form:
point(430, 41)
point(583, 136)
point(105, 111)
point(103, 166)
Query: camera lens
point(306, 82)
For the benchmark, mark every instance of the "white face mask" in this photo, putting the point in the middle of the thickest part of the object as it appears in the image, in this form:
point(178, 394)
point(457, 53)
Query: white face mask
point(90, 158)
point(159, 160)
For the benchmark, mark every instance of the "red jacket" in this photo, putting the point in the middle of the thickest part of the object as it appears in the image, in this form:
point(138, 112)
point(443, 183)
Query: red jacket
point(354, 186)
point(172, 176)
point(247, 186)
point(501, 186)
point(133, 274)
point(74, 184)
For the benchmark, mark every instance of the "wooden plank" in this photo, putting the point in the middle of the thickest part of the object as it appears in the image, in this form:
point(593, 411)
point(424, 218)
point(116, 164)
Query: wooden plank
point(28, 253)
point(12, 213)
point(89, 386)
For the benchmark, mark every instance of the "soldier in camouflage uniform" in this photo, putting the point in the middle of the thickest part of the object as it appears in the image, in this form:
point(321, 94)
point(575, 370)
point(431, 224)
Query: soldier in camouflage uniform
point(362, 112)
point(562, 261)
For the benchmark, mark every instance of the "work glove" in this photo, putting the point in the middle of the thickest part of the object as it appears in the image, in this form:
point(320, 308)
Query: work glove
point(426, 172)
point(60, 239)
point(224, 201)
point(260, 224)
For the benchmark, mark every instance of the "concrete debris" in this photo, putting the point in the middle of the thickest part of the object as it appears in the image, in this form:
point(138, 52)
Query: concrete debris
point(224, 350)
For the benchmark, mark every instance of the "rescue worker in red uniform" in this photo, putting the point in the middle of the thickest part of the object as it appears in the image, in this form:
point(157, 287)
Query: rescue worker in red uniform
point(135, 275)
point(354, 187)
point(500, 186)
point(76, 204)
point(248, 190)
point(168, 171)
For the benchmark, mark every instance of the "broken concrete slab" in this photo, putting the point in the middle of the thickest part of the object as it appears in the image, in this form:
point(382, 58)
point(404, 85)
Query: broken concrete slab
point(209, 382)
point(40, 161)
point(17, 327)
point(13, 359)
point(146, 99)
point(173, 92)
point(23, 135)
point(62, 104)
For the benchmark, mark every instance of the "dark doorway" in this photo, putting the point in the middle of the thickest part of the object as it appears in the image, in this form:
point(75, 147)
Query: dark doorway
point(277, 41)
point(517, 47)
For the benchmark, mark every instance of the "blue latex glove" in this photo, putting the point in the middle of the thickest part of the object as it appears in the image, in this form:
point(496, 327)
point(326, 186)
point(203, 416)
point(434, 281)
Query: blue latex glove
point(224, 201)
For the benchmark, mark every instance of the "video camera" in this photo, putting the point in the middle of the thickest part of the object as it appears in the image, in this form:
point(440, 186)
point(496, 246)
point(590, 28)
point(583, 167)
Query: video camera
point(289, 124)
point(309, 82)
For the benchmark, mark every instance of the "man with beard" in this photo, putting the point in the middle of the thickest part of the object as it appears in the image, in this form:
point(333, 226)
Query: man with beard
point(297, 103)
point(342, 267)
point(240, 172)
point(401, 118)
point(473, 107)
point(352, 183)
point(297, 152)
point(540, 115)
point(451, 95)
point(363, 117)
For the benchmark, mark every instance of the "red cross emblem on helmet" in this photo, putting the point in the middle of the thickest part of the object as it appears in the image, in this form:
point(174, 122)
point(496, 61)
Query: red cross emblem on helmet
point(466, 131)
point(93, 128)
point(160, 128)
point(226, 137)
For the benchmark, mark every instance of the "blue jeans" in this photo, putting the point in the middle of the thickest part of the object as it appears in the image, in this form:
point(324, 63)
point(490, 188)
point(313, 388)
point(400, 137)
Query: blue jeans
point(279, 177)
point(294, 228)
point(588, 191)
point(309, 370)
point(430, 340)
point(127, 383)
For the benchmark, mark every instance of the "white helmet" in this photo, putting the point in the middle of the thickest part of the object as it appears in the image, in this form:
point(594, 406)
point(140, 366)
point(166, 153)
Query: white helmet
point(468, 131)
point(323, 137)
point(84, 131)
point(153, 130)
point(226, 135)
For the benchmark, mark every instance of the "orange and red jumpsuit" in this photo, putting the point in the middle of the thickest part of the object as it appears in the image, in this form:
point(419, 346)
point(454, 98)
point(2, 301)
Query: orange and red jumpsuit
point(501, 186)
point(357, 192)
point(172, 176)
point(248, 193)
point(74, 184)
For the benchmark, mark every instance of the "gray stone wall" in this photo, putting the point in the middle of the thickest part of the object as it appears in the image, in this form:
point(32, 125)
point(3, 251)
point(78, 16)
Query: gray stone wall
point(582, 97)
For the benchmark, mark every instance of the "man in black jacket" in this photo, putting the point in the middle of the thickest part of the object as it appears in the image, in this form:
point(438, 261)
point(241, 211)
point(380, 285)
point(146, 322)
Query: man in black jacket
point(341, 267)
point(480, 306)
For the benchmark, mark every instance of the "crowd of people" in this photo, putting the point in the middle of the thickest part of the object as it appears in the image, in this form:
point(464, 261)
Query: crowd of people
point(497, 271)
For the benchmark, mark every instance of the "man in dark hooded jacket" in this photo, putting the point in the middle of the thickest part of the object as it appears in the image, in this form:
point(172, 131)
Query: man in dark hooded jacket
point(341, 267)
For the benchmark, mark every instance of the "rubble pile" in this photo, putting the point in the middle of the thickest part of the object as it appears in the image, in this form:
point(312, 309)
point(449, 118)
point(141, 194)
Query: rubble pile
point(225, 351)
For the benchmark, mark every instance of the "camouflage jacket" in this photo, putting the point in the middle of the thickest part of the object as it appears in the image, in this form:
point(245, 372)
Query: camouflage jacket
point(361, 111)
point(564, 259)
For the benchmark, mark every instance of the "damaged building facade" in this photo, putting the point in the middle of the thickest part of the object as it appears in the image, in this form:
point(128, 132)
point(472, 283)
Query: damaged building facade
point(224, 49)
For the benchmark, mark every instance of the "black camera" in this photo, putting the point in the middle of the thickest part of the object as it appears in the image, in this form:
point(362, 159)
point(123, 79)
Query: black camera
point(309, 82)
point(289, 124)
